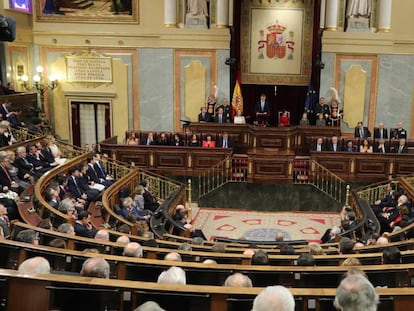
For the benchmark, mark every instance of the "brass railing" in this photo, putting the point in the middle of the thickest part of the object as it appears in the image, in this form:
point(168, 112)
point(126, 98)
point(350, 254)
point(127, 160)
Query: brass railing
point(219, 175)
point(375, 192)
point(326, 181)
point(22, 134)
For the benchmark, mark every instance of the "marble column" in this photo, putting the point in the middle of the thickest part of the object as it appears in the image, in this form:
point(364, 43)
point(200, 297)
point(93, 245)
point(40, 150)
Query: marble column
point(231, 12)
point(384, 16)
point(222, 13)
point(170, 13)
point(331, 15)
point(322, 14)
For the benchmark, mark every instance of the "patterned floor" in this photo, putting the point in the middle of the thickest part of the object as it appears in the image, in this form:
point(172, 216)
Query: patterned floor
point(263, 226)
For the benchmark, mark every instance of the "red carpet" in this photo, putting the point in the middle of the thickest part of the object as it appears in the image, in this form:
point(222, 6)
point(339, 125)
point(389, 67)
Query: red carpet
point(263, 226)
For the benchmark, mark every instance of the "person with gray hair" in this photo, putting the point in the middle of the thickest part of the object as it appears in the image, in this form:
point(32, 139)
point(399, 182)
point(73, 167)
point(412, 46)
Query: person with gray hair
point(174, 275)
point(28, 236)
point(35, 265)
point(149, 306)
point(274, 298)
point(133, 249)
point(238, 280)
point(95, 267)
point(102, 235)
point(122, 239)
point(356, 293)
point(173, 256)
point(66, 228)
point(185, 247)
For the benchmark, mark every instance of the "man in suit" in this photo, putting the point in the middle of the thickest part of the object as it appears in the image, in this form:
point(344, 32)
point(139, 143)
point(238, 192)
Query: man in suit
point(381, 147)
point(6, 180)
point(149, 140)
point(40, 166)
point(221, 117)
point(5, 109)
point(150, 202)
point(402, 147)
point(350, 147)
point(203, 116)
point(25, 168)
point(99, 168)
point(74, 187)
point(262, 109)
point(226, 109)
point(334, 145)
point(362, 131)
point(224, 141)
point(93, 175)
point(319, 145)
point(380, 132)
point(399, 132)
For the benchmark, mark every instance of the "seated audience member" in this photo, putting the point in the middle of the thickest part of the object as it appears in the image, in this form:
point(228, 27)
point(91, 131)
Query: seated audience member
point(45, 224)
point(361, 131)
point(95, 267)
point(93, 190)
point(66, 228)
point(194, 141)
point(224, 141)
point(319, 146)
point(204, 116)
point(26, 170)
point(239, 118)
point(226, 109)
point(132, 139)
point(54, 149)
point(8, 132)
point(102, 235)
point(209, 143)
point(381, 147)
point(163, 140)
point(304, 121)
point(129, 206)
point(351, 261)
point(36, 127)
point(320, 121)
point(177, 141)
point(173, 275)
point(260, 258)
point(382, 240)
point(133, 249)
point(149, 140)
point(83, 226)
point(238, 280)
point(305, 260)
point(274, 298)
point(4, 221)
point(399, 132)
point(280, 237)
point(6, 180)
point(350, 147)
point(346, 246)
point(122, 239)
point(334, 145)
point(380, 132)
point(40, 165)
point(58, 243)
point(210, 110)
point(14, 118)
point(149, 306)
point(73, 186)
point(28, 236)
point(93, 173)
point(35, 265)
point(139, 197)
point(221, 117)
point(14, 172)
point(150, 202)
point(356, 293)
point(197, 241)
point(173, 256)
point(218, 248)
point(391, 255)
point(365, 147)
point(402, 147)
point(284, 119)
point(100, 170)
point(185, 247)
point(315, 249)
point(287, 249)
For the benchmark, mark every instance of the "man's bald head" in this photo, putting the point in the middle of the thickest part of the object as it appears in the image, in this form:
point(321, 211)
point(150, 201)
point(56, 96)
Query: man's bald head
point(35, 265)
point(133, 249)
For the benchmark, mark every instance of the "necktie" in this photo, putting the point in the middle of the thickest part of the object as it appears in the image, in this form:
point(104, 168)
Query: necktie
point(318, 148)
point(263, 106)
point(381, 134)
point(400, 151)
point(220, 118)
point(225, 144)
point(76, 185)
point(361, 133)
point(101, 169)
point(334, 147)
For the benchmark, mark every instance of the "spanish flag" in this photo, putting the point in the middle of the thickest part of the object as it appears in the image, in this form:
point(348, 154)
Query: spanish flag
point(237, 101)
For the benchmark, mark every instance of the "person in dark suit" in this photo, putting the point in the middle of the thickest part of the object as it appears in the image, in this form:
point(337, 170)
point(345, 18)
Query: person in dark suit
point(224, 141)
point(93, 175)
point(203, 116)
point(334, 145)
point(83, 226)
point(178, 140)
point(150, 202)
point(99, 168)
point(73, 185)
point(399, 132)
point(319, 145)
point(381, 147)
point(380, 132)
point(350, 147)
point(402, 147)
point(5, 109)
point(262, 109)
point(149, 140)
point(40, 166)
point(25, 168)
point(361, 131)
point(85, 184)
point(6, 180)
point(226, 109)
point(221, 117)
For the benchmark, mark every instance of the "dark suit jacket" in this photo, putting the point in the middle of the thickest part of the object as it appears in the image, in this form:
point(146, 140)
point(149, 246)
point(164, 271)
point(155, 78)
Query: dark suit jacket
point(367, 133)
point(386, 149)
point(397, 148)
point(3, 112)
point(377, 133)
point(4, 179)
point(399, 133)
point(258, 107)
point(93, 175)
point(98, 170)
point(338, 147)
point(76, 191)
point(205, 118)
point(224, 118)
point(81, 230)
point(220, 143)
point(315, 147)
point(24, 167)
point(353, 149)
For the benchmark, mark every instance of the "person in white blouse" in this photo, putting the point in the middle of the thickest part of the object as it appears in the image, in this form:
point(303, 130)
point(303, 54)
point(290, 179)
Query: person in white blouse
point(239, 118)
